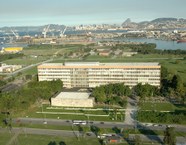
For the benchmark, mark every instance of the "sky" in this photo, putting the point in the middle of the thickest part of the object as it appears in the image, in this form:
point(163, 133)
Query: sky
point(76, 12)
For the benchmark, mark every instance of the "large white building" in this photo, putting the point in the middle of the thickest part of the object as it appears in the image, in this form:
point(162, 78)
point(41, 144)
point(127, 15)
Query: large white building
point(92, 74)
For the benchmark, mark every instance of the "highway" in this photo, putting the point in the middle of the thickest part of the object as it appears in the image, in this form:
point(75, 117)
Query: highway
point(63, 133)
point(100, 124)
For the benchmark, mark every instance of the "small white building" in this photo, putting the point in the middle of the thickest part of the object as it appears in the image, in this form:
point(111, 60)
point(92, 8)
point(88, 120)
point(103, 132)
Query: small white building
point(4, 68)
point(73, 99)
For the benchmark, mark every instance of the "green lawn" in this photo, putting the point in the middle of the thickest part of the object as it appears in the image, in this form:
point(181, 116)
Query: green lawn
point(161, 106)
point(73, 114)
point(31, 112)
point(173, 65)
point(74, 117)
point(5, 137)
point(24, 61)
point(54, 140)
point(157, 106)
point(31, 71)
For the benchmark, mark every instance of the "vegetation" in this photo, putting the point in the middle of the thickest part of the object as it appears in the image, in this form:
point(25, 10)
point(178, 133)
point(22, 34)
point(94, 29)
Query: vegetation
point(112, 94)
point(49, 46)
point(27, 139)
point(146, 90)
point(148, 48)
point(2, 83)
point(4, 57)
point(169, 136)
point(177, 117)
point(22, 99)
point(161, 105)
point(172, 86)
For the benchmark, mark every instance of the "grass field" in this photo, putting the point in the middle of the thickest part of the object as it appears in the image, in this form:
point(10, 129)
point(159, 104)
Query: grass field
point(161, 106)
point(75, 114)
point(169, 61)
point(50, 140)
point(173, 63)
point(23, 139)
point(24, 61)
point(4, 138)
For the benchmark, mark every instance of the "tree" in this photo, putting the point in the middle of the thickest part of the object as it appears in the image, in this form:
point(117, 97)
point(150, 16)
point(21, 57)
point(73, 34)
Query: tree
point(7, 102)
point(169, 136)
point(62, 143)
point(52, 143)
point(2, 83)
point(95, 129)
point(177, 85)
point(164, 72)
point(99, 94)
point(137, 140)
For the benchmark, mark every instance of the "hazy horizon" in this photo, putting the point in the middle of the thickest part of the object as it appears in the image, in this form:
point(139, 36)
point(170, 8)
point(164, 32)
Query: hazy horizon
point(68, 12)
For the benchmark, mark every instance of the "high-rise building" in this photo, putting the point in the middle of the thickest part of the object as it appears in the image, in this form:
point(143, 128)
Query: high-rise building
point(92, 74)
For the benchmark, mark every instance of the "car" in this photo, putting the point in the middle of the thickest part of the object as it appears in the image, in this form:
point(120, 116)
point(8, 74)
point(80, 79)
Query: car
point(102, 122)
point(88, 134)
point(44, 122)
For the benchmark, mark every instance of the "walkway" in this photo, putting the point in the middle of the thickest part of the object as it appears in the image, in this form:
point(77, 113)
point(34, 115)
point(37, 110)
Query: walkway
point(131, 112)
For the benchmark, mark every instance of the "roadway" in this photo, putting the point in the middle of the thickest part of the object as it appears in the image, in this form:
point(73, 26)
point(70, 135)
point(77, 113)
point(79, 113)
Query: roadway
point(101, 124)
point(16, 84)
point(25, 68)
point(63, 133)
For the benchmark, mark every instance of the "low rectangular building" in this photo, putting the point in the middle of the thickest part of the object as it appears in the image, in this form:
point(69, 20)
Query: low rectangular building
point(73, 99)
point(92, 74)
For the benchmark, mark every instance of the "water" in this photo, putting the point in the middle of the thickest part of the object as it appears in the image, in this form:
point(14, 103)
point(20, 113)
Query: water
point(160, 44)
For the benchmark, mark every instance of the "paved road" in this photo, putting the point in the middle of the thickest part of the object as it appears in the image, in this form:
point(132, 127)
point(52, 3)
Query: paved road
point(149, 138)
point(131, 112)
point(59, 122)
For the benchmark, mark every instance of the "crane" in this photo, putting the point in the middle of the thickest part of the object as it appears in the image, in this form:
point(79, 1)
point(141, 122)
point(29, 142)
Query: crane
point(45, 30)
point(15, 34)
point(62, 33)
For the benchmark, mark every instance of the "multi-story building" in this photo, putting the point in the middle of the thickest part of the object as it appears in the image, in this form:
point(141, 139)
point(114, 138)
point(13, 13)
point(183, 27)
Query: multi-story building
point(92, 74)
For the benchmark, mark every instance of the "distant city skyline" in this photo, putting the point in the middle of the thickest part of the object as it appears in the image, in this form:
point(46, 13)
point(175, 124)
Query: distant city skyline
point(77, 12)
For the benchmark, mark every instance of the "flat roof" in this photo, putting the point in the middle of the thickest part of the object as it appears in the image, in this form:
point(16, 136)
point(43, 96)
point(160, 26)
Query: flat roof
point(73, 95)
point(98, 65)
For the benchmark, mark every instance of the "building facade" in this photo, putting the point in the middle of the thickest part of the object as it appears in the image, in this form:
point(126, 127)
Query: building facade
point(92, 74)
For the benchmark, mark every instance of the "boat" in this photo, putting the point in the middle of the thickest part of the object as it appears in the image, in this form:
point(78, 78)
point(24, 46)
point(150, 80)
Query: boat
point(181, 41)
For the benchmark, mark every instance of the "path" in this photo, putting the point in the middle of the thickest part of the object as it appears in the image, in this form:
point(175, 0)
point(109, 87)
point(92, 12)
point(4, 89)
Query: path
point(131, 112)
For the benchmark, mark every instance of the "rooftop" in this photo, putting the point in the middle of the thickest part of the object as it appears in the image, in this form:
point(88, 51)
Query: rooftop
point(101, 64)
point(74, 95)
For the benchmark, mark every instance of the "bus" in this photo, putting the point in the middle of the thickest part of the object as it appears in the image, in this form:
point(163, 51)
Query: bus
point(79, 122)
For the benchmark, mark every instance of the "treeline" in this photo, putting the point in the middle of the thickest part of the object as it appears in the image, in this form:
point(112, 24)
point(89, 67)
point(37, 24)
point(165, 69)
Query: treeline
point(146, 90)
point(112, 94)
point(148, 48)
point(172, 85)
point(25, 97)
point(162, 117)
point(52, 46)
point(2, 83)
point(4, 57)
